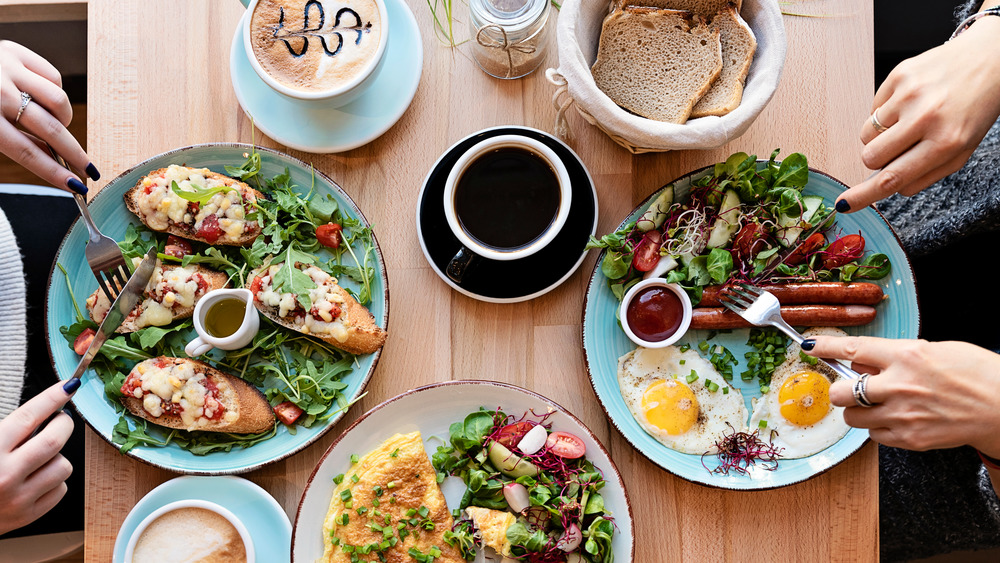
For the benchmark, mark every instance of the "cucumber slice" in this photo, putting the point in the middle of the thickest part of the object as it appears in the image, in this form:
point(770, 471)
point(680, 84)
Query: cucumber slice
point(727, 222)
point(509, 463)
point(656, 213)
point(792, 227)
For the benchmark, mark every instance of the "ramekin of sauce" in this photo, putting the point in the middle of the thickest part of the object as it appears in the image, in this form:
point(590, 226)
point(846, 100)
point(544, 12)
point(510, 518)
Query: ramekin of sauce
point(654, 313)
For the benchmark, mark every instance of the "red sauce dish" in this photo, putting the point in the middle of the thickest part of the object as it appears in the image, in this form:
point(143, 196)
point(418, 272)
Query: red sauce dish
point(655, 314)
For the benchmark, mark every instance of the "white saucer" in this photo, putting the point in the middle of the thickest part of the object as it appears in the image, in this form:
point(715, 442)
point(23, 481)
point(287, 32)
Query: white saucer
point(318, 128)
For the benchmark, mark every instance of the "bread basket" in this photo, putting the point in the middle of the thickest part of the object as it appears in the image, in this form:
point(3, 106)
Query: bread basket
point(578, 33)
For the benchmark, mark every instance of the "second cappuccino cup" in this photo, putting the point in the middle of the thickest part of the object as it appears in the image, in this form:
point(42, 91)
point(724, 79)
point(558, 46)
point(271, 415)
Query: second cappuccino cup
point(316, 50)
point(506, 198)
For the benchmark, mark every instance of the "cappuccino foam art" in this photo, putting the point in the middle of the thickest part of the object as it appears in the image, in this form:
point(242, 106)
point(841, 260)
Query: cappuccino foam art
point(315, 45)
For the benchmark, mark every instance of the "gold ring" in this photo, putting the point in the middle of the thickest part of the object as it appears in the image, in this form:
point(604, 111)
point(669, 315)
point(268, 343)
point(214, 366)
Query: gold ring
point(25, 100)
point(878, 124)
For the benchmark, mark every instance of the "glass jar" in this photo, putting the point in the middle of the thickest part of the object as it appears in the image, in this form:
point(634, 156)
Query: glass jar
point(509, 37)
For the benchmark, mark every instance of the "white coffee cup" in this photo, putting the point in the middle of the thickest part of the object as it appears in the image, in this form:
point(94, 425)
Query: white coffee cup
point(205, 341)
point(333, 97)
point(190, 503)
point(470, 246)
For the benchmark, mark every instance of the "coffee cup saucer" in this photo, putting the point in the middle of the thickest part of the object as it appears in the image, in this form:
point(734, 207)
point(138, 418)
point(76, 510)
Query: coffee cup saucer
point(316, 127)
point(510, 281)
point(262, 516)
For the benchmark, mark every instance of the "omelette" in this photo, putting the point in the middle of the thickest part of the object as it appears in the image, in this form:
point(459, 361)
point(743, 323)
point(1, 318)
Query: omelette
point(388, 507)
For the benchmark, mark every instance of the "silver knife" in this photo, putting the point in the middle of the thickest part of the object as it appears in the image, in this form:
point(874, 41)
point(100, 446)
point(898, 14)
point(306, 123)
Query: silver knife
point(129, 297)
point(780, 258)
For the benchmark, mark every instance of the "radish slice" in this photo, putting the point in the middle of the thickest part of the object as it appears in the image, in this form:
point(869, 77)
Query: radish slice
point(517, 497)
point(533, 440)
point(571, 538)
point(574, 558)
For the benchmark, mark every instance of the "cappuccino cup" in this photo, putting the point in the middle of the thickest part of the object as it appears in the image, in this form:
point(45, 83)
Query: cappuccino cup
point(190, 530)
point(505, 198)
point(316, 50)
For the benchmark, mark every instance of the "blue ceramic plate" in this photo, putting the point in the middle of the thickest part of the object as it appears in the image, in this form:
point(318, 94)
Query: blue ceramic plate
point(260, 513)
point(604, 342)
point(313, 126)
point(113, 218)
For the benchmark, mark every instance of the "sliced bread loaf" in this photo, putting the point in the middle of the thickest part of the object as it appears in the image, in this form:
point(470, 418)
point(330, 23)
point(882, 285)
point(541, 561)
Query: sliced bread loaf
point(657, 63)
point(738, 47)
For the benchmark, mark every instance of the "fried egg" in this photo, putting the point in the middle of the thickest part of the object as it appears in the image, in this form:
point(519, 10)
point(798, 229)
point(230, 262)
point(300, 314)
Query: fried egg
point(669, 394)
point(796, 409)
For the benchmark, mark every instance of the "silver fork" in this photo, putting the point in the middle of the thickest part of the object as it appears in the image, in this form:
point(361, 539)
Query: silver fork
point(761, 308)
point(103, 254)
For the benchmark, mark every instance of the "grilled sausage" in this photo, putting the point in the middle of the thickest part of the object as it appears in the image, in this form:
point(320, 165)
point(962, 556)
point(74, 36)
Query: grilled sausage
point(823, 293)
point(795, 315)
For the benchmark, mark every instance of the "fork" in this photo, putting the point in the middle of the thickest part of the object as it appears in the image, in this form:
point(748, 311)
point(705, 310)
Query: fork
point(761, 308)
point(103, 254)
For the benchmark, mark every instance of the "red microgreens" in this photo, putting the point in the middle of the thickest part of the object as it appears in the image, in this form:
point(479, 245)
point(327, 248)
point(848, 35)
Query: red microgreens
point(738, 451)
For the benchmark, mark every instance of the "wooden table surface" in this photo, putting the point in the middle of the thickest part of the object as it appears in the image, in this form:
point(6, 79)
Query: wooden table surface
point(159, 79)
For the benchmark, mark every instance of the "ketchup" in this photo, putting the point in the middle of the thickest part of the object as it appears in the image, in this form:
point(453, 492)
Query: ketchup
point(654, 314)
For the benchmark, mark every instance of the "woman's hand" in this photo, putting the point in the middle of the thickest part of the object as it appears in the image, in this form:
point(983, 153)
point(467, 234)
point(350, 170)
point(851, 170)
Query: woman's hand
point(32, 472)
point(927, 395)
point(937, 106)
point(43, 120)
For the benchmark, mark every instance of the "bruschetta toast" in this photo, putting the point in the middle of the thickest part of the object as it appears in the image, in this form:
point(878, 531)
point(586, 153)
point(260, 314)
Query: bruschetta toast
point(333, 316)
point(192, 395)
point(171, 294)
point(219, 216)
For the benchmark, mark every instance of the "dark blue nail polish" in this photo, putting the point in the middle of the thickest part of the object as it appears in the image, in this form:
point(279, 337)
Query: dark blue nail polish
point(808, 344)
point(72, 385)
point(843, 206)
point(77, 186)
point(92, 172)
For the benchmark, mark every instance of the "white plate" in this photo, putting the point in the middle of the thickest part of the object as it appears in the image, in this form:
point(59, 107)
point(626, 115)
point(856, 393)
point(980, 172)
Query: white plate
point(431, 410)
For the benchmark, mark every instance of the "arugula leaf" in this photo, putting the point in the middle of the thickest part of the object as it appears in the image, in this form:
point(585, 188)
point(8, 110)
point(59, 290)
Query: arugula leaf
point(290, 279)
point(201, 195)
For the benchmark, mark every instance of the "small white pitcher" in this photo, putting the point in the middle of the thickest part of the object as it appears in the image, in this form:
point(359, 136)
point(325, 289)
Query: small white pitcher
point(243, 336)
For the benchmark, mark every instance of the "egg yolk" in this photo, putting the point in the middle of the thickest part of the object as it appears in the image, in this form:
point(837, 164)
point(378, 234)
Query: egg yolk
point(804, 398)
point(671, 406)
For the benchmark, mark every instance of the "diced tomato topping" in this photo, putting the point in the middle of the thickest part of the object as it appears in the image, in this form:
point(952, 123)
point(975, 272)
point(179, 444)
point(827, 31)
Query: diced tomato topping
point(329, 235)
point(202, 283)
point(130, 384)
point(287, 412)
point(83, 341)
point(148, 189)
point(210, 230)
point(193, 208)
point(335, 311)
point(255, 286)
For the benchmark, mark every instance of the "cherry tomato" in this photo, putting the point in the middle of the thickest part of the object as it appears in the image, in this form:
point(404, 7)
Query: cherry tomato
point(329, 235)
point(647, 252)
point(287, 412)
point(567, 445)
point(210, 230)
point(750, 241)
point(255, 286)
point(511, 434)
point(843, 250)
point(806, 249)
point(83, 341)
point(177, 247)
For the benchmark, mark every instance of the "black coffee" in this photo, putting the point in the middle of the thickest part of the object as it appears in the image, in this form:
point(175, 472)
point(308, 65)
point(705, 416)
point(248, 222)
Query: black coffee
point(507, 198)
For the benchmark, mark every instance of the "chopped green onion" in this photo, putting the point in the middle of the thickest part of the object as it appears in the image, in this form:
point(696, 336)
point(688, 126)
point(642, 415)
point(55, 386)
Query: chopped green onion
point(338, 478)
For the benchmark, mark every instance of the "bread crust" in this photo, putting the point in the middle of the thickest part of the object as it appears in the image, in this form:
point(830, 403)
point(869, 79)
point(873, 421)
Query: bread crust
point(732, 77)
point(254, 413)
point(131, 202)
point(364, 335)
point(214, 278)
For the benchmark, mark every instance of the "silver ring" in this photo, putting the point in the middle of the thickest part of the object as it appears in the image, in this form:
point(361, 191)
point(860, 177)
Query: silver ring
point(25, 100)
point(861, 391)
point(878, 124)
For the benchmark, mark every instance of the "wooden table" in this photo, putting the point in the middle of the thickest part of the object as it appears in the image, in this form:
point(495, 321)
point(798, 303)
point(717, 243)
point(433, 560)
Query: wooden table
point(159, 79)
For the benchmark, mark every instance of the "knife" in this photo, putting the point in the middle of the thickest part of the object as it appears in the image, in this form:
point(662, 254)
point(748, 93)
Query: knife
point(126, 301)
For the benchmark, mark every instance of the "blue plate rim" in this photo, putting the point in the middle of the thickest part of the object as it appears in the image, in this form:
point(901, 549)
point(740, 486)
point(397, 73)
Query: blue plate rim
point(590, 372)
point(472, 382)
point(333, 420)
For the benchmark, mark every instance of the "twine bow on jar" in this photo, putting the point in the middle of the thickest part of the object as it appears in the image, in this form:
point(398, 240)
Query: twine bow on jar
point(505, 45)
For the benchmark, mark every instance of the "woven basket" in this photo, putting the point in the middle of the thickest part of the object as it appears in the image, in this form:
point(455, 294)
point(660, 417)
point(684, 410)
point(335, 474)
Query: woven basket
point(578, 33)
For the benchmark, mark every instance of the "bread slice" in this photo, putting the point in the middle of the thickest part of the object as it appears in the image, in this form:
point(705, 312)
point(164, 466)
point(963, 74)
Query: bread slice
point(657, 63)
point(185, 230)
point(738, 47)
point(207, 279)
point(246, 410)
point(363, 335)
point(704, 8)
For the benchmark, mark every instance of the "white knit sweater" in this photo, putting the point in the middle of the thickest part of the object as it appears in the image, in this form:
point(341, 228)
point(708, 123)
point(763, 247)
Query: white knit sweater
point(13, 337)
